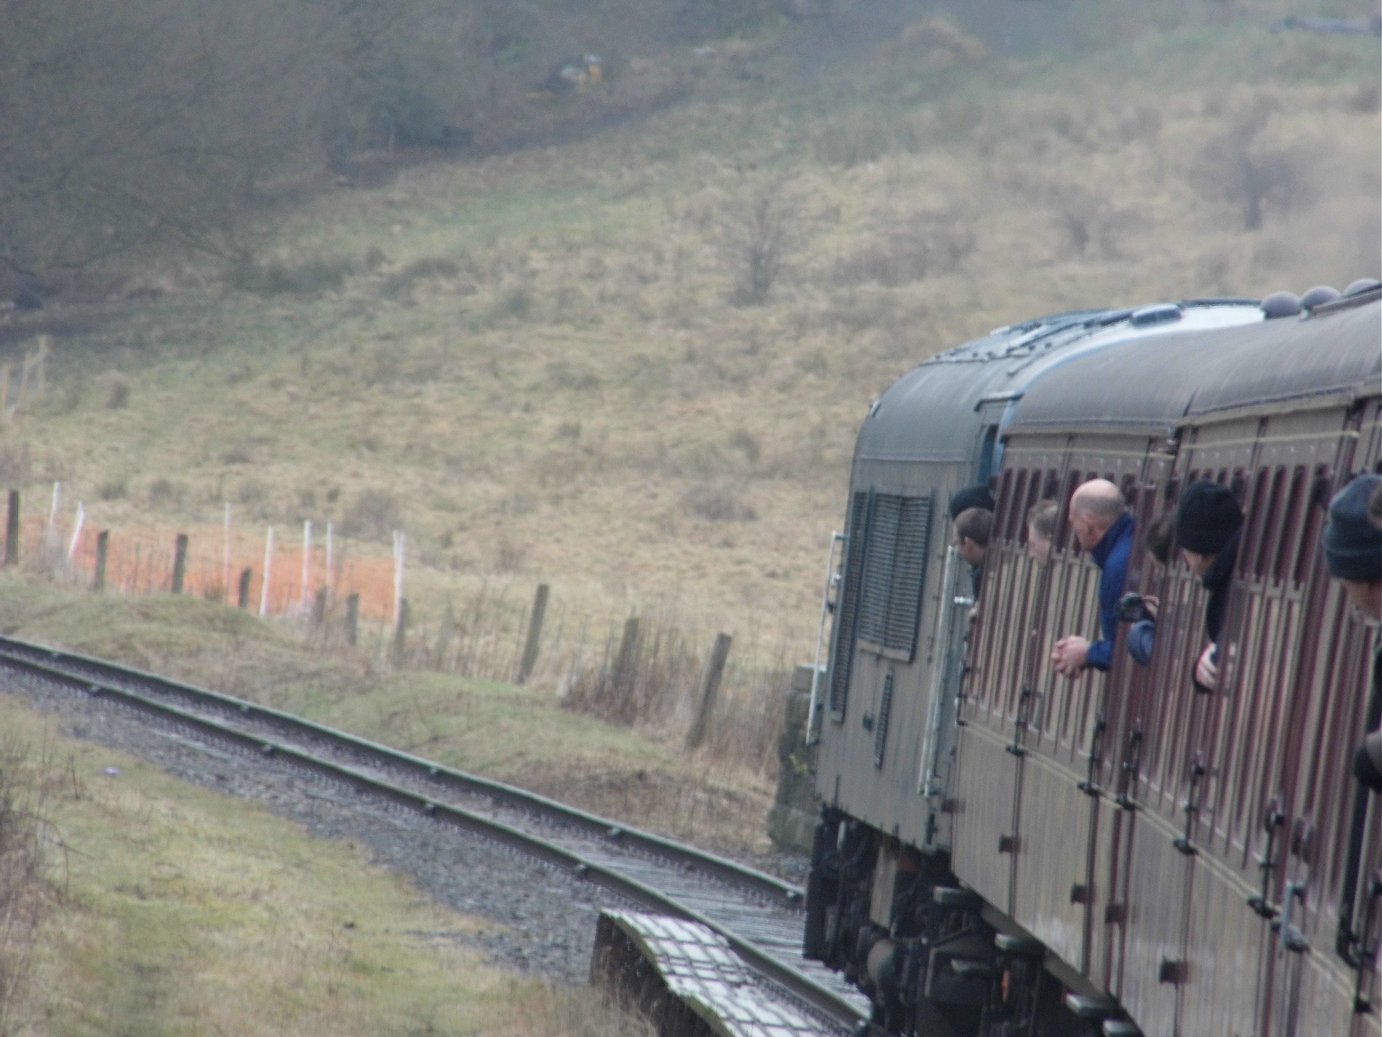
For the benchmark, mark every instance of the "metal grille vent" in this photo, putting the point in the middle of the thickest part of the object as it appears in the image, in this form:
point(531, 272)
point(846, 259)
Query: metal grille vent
point(894, 564)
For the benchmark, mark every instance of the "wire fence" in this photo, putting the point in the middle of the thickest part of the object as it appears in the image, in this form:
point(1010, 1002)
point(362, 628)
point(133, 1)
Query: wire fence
point(340, 593)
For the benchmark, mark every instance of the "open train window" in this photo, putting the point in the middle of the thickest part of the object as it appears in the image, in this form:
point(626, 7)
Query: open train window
point(1288, 534)
point(1255, 546)
point(988, 453)
point(1012, 496)
point(1309, 552)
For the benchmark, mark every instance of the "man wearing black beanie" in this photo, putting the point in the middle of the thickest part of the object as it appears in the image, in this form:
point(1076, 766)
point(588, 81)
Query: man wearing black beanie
point(1352, 543)
point(1208, 521)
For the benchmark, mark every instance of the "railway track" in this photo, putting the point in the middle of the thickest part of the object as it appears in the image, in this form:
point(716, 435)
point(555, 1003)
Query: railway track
point(707, 899)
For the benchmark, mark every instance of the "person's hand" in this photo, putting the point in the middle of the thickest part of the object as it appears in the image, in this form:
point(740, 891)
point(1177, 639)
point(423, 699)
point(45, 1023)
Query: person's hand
point(1070, 656)
point(1150, 605)
point(1207, 669)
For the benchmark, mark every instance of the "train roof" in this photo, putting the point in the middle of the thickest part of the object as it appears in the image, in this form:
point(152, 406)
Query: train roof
point(929, 413)
point(1273, 365)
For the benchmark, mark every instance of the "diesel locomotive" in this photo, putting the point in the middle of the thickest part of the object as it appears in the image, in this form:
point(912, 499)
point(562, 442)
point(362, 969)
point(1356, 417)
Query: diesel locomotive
point(1009, 852)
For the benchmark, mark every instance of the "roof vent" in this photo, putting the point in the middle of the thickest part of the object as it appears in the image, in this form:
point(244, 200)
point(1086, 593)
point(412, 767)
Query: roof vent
point(1318, 296)
point(1280, 304)
point(1158, 314)
point(1363, 284)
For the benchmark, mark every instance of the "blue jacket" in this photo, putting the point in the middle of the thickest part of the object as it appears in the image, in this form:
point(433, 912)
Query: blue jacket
point(1111, 555)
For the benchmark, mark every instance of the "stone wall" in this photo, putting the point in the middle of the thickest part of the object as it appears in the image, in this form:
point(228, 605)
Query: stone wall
point(795, 811)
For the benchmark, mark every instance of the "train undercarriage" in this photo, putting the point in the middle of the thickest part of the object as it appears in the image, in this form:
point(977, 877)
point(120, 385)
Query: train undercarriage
point(934, 959)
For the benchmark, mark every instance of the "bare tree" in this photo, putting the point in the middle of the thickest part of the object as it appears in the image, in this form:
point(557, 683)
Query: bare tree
point(759, 230)
point(1243, 166)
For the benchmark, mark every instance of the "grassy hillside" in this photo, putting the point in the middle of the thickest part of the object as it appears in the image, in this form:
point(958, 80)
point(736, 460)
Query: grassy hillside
point(536, 359)
point(542, 359)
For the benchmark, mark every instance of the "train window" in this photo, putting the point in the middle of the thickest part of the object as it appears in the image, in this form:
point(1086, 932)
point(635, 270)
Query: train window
point(1052, 486)
point(1255, 536)
point(894, 573)
point(988, 458)
point(1309, 554)
point(1128, 488)
point(1012, 503)
point(1289, 531)
point(847, 605)
point(1072, 479)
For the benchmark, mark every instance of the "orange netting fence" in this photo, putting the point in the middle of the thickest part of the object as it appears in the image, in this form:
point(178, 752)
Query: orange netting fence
point(217, 564)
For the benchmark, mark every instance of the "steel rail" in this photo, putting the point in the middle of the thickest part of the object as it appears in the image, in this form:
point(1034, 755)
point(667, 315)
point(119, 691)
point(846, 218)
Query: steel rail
point(53, 662)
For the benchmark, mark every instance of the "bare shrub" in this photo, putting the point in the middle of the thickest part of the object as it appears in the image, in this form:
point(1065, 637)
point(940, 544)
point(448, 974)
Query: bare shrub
point(509, 556)
point(165, 493)
point(1091, 224)
point(278, 278)
point(24, 895)
point(719, 502)
point(16, 467)
point(746, 724)
point(375, 258)
point(433, 268)
point(912, 250)
point(481, 636)
point(1365, 98)
point(117, 390)
point(645, 668)
point(855, 141)
point(757, 232)
point(744, 441)
point(1243, 167)
point(374, 514)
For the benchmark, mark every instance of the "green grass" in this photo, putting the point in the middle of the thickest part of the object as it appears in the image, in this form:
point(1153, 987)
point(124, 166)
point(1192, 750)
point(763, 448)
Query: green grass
point(179, 911)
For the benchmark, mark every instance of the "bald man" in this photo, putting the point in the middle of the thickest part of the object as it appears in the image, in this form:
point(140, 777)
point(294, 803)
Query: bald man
point(1100, 521)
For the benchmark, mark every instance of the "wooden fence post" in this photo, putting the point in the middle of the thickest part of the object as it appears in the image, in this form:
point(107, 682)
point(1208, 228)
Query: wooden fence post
point(102, 555)
point(710, 688)
point(525, 668)
point(244, 596)
point(12, 530)
point(180, 563)
point(353, 619)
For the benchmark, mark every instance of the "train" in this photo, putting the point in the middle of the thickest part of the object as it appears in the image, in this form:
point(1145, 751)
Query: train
point(1007, 852)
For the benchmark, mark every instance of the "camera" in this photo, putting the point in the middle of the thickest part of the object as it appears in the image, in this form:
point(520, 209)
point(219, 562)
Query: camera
point(1132, 609)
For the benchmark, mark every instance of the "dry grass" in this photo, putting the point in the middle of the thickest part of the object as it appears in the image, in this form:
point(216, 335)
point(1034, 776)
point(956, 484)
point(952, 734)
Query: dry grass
point(530, 364)
point(528, 361)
